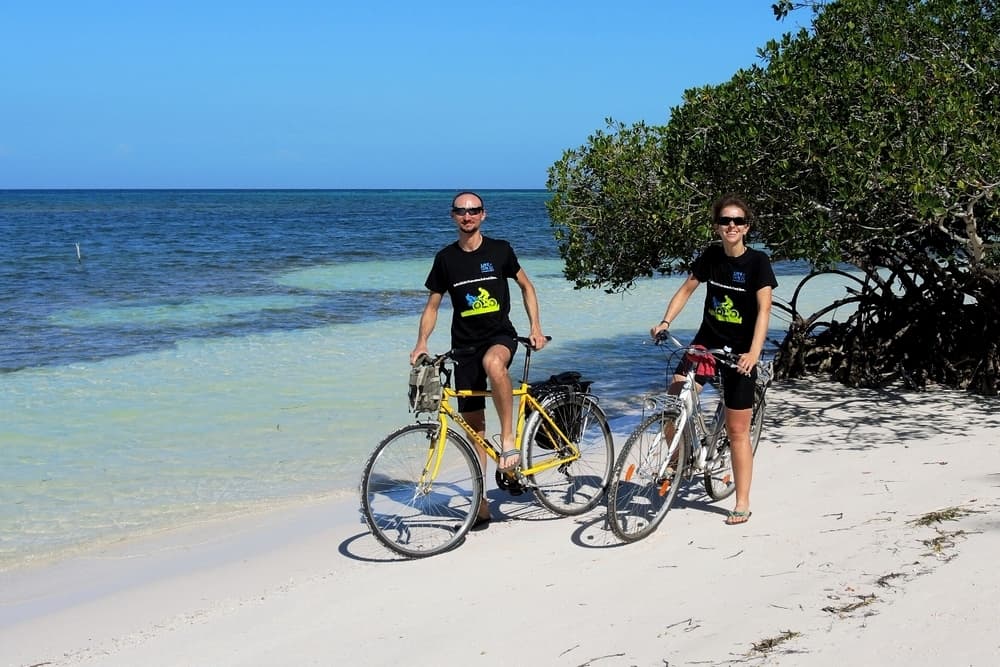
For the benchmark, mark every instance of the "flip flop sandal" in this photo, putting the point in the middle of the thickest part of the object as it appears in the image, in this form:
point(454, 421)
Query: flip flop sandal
point(735, 518)
point(506, 454)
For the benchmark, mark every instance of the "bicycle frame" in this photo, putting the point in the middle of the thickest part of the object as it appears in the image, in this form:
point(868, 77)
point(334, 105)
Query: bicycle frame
point(447, 412)
point(691, 415)
point(522, 392)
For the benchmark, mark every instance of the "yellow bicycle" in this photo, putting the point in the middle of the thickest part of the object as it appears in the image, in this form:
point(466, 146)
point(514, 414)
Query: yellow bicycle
point(423, 484)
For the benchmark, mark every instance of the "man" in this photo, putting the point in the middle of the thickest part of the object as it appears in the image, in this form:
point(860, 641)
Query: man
point(474, 272)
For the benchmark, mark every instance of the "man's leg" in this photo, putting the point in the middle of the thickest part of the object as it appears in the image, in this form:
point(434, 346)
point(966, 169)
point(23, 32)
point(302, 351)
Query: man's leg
point(477, 420)
point(495, 363)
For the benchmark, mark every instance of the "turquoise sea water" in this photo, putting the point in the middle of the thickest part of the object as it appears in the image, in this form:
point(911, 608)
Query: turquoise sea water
point(204, 352)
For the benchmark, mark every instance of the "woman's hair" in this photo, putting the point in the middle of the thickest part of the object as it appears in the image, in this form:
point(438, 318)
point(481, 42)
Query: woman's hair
point(731, 200)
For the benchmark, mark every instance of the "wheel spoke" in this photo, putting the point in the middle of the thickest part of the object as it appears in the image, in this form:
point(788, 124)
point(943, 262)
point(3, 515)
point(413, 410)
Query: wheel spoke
point(409, 513)
point(645, 478)
point(577, 485)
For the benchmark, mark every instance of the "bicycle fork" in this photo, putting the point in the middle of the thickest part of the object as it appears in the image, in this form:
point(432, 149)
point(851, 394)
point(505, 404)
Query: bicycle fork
point(670, 457)
point(697, 433)
point(435, 454)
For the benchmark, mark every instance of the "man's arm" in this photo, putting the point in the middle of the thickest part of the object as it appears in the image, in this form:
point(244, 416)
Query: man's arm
point(530, 299)
point(428, 319)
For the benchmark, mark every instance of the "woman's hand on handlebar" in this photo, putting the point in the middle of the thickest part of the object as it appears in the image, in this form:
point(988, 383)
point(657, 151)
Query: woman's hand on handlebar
point(659, 332)
point(745, 362)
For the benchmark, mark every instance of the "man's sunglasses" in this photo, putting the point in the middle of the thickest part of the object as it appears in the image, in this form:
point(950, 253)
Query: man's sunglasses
point(459, 210)
point(725, 221)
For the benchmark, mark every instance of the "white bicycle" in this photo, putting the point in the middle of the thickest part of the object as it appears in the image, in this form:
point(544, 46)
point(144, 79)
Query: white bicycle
point(678, 440)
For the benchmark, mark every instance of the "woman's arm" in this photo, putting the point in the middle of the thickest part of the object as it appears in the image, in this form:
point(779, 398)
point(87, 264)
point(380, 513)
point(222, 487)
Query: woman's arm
point(748, 360)
point(676, 305)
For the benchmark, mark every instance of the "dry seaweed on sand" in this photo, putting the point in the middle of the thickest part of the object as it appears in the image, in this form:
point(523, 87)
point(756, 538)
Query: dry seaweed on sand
point(769, 644)
point(884, 580)
point(863, 601)
point(940, 516)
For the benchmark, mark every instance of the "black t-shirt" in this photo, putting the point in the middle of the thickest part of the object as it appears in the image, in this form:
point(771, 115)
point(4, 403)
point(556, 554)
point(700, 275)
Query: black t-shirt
point(731, 302)
point(477, 284)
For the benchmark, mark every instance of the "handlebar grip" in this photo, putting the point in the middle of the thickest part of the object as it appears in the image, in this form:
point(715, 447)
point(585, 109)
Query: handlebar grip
point(527, 341)
point(665, 336)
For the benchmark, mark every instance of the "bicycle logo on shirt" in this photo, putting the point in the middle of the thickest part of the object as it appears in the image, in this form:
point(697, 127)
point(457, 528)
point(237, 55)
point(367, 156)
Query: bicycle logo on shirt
point(723, 311)
point(480, 304)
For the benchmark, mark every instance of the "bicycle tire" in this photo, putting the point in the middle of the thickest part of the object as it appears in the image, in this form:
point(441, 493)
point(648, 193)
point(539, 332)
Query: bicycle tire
point(575, 486)
point(719, 479)
point(757, 421)
point(639, 498)
point(412, 521)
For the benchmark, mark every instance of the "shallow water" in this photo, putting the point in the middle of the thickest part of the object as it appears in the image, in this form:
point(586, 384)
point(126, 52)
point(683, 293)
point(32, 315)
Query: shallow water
point(241, 397)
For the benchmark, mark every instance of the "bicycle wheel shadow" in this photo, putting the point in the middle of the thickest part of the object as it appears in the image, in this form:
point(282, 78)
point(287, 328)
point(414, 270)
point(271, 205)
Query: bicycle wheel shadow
point(504, 506)
point(591, 529)
point(520, 507)
point(594, 531)
point(364, 548)
point(693, 496)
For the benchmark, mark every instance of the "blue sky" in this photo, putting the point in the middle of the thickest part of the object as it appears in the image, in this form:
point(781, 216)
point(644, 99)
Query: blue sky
point(337, 94)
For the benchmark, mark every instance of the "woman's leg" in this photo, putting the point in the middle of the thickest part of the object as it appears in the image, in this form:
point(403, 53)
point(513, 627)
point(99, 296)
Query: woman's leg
point(738, 430)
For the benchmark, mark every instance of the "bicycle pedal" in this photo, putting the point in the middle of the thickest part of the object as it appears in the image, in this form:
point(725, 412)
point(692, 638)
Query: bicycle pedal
point(509, 484)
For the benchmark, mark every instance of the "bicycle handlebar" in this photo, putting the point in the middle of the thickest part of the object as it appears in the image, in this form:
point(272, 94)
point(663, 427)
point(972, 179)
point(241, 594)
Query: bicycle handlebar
point(725, 354)
point(437, 360)
point(527, 341)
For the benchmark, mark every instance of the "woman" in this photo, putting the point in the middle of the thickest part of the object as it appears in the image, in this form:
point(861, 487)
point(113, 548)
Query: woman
point(737, 312)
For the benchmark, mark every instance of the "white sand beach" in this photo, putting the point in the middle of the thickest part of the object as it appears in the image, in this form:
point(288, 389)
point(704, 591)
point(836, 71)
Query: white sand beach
point(834, 567)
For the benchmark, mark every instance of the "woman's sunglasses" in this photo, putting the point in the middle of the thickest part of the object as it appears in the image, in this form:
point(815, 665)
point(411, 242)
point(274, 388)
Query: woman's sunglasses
point(725, 221)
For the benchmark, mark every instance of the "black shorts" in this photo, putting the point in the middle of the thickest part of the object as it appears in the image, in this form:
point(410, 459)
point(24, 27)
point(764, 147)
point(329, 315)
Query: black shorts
point(470, 374)
point(737, 389)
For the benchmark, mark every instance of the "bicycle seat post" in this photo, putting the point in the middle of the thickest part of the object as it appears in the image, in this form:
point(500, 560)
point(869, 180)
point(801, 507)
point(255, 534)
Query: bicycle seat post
point(527, 364)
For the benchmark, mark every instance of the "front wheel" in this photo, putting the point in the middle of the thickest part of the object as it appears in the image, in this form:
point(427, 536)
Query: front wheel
point(414, 506)
point(646, 476)
point(570, 486)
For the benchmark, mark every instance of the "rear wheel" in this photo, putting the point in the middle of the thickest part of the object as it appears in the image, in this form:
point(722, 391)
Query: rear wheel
point(757, 421)
point(407, 510)
point(646, 477)
point(575, 485)
point(719, 480)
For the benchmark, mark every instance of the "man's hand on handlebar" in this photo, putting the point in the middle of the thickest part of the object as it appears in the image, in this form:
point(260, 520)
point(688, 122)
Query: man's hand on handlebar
point(538, 340)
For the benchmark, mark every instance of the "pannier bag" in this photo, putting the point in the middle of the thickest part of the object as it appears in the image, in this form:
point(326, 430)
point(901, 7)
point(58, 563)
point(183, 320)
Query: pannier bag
point(425, 386)
point(566, 416)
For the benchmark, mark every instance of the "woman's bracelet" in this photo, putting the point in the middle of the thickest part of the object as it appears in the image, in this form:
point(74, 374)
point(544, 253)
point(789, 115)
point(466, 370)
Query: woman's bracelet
point(667, 322)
